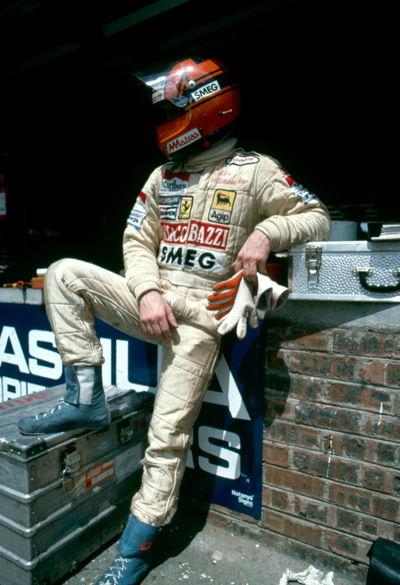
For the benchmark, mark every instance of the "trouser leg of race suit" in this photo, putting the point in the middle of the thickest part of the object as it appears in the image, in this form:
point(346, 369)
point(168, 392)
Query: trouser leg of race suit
point(187, 368)
point(69, 288)
point(77, 291)
point(178, 400)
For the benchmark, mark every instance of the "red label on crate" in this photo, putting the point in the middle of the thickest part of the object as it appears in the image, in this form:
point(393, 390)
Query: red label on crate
point(96, 475)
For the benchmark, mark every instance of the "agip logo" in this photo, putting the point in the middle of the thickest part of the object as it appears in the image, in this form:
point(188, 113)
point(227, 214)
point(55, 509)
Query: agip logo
point(222, 206)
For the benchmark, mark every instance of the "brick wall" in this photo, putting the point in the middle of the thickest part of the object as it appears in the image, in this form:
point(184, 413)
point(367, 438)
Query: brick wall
point(331, 473)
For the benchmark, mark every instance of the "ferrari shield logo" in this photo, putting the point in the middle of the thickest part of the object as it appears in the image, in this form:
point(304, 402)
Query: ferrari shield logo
point(185, 207)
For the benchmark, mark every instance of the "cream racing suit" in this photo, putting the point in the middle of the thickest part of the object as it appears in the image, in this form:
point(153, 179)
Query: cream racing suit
point(182, 236)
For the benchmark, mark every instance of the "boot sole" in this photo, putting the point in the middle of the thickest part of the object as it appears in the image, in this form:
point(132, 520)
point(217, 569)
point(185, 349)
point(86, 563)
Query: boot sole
point(37, 434)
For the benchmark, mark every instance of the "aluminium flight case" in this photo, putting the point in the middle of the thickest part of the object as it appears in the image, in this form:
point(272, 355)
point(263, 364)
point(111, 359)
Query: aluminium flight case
point(64, 495)
point(359, 270)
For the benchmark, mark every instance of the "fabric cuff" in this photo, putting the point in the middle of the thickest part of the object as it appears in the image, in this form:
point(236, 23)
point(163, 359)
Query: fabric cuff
point(272, 232)
point(138, 290)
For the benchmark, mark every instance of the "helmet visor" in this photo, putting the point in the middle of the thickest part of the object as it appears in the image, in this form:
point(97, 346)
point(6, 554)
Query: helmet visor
point(165, 111)
point(166, 86)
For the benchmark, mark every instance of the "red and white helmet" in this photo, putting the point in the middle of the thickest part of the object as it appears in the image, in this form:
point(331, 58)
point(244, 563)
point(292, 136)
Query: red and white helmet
point(195, 101)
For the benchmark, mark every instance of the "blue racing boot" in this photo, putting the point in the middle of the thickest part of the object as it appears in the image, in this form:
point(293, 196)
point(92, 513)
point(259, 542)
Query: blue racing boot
point(84, 405)
point(134, 559)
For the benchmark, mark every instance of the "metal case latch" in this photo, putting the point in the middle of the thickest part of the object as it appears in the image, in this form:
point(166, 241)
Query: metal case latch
point(125, 431)
point(313, 263)
point(72, 464)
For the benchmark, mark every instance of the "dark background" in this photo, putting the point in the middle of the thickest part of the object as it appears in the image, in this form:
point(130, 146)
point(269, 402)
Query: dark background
point(319, 93)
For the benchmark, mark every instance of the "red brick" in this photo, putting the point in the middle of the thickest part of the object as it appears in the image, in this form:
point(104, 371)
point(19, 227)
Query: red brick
point(300, 362)
point(311, 510)
point(294, 434)
point(378, 479)
point(295, 337)
point(358, 342)
point(365, 449)
point(335, 389)
point(295, 481)
point(328, 515)
point(346, 471)
point(365, 501)
point(343, 367)
point(350, 497)
point(357, 524)
point(372, 371)
point(328, 417)
point(277, 499)
point(276, 455)
point(393, 374)
point(279, 407)
point(362, 396)
point(297, 385)
point(369, 527)
point(328, 466)
point(386, 453)
point(348, 521)
point(353, 446)
point(385, 507)
point(391, 345)
point(383, 426)
point(348, 546)
point(292, 527)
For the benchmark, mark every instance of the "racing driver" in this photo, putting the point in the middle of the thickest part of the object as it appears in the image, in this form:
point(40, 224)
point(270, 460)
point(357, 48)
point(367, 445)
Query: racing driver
point(210, 212)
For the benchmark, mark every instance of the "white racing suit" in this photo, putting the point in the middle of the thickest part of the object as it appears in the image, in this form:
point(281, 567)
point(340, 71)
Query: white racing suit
point(182, 236)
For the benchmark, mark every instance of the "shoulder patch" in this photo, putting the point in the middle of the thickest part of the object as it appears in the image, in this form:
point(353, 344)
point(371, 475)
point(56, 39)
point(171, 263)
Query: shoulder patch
point(298, 189)
point(288, 178)
point(139, 211)
point(241, 160)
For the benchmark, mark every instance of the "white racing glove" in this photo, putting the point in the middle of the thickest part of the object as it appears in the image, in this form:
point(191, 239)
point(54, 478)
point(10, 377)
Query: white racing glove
point(223, 297)
point(270, 295)
point(243, 310)
point(235, 304)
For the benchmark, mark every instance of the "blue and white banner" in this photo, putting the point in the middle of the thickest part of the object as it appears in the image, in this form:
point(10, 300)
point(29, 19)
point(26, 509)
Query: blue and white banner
point(224, 463)
point(227, 444)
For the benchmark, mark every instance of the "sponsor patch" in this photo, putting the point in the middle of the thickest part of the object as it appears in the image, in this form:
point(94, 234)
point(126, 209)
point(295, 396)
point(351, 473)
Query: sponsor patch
point(228, 176)
point(240, 160)
point(206, 90)
point(288, 178)
point(298, 189)
point(305, 195)
point(221, 206)
point(139, 211)
point(169, 205)
point(183, 140)
point(174, 182)
point(196, 233)
point(185, 207)
point(174, 207)
point(196, 259)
